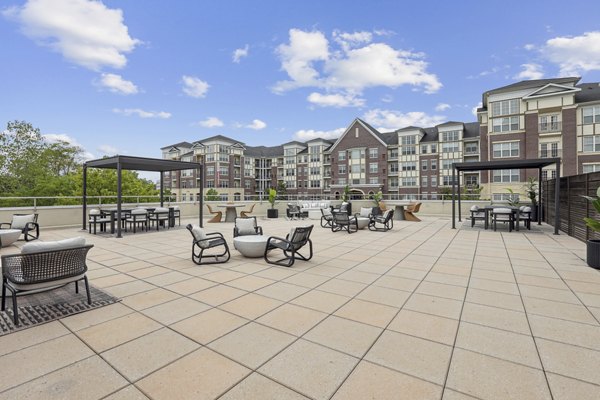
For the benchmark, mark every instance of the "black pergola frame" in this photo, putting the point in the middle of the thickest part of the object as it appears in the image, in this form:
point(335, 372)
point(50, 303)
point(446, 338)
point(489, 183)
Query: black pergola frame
point(537, 163)
point(139, 164)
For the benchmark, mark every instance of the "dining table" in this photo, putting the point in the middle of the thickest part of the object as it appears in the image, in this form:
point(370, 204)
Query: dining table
point(398, 209)
point(230, 211)
point(515, 210)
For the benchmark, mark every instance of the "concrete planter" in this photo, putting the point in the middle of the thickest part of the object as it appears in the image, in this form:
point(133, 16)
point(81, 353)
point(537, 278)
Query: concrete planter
point(272, 213)
point(593, 253)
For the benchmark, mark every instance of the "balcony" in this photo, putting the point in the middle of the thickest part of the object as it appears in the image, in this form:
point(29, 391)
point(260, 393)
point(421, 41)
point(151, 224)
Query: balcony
point(550, 127)
point(552, 153)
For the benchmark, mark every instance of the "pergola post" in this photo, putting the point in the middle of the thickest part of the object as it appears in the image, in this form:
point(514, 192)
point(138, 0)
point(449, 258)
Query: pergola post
point(557, 198)
point(84, 217)
point(162, 188)
point(458, 185)
point(540, 208)
point(453, 194)
point(201, 197)
point(119, 198)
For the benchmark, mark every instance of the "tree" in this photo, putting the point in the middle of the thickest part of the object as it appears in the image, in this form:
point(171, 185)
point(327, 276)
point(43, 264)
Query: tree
point(212, 195)
point(282, 190)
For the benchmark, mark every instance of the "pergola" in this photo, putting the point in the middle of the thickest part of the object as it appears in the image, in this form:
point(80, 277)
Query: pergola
point(139, 164)
point(538, 163)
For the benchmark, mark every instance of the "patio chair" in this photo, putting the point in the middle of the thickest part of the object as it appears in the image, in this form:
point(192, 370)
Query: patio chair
point(411, 210)
point(206, 241)
point(137, 217)
point(504, 215)
point(293, 242)
point(96, 217)
point(27, 223)
point(476, 214)
point(383, 222)
point(177, 214)
point(244, 213)
point(525, 216)
point(217, 214)
point(326, 218)
point(160, 216)
point(246, 226)
point(343, 221)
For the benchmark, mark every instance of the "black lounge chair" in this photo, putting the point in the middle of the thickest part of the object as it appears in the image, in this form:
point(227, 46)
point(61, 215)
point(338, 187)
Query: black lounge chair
point(383, 222)
point(293, 242)
point(342, 221)
point(205, 241)
point(27, 223)
point(246, 226)
point(326, 218)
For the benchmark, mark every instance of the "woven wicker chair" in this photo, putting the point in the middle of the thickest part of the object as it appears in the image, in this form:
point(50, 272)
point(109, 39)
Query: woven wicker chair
point(217, 214)
point(38, 271)
point(293, 242)
point(27, 223)
point(244, 214)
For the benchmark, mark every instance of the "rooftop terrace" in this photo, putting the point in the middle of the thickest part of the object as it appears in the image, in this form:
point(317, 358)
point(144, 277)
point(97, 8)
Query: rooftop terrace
point(419, 312)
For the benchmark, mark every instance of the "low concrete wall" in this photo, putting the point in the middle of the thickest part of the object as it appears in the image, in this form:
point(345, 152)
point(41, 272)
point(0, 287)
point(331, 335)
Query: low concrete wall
point(62, 216)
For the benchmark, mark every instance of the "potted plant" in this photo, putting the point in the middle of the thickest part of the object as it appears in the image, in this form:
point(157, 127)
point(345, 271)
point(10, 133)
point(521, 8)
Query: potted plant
point(379, 204)
point(272, 212)
point(513, 199)
point(531, 190)
point(346, 199)
point(593, 245)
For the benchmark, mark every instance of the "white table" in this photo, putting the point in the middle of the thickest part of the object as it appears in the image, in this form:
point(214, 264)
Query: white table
point(399, 209)
point(230, 211)
point(251, 245)
point(362, 222)
point(9, 236)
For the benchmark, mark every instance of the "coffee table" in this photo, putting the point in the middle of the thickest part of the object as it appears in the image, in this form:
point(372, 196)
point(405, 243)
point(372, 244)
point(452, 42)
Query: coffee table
point(251, 245)
point(362, 222)
point(9, 236)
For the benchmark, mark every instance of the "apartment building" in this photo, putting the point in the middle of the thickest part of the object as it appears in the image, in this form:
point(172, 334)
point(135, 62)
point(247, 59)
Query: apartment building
point(530, 119)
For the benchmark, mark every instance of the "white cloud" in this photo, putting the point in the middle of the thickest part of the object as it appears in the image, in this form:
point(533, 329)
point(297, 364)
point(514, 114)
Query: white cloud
point(116, 84)
point(238, 54)
point(390, 119)
point(142, 113)
point(387, 98)
point(61, 137)
point(257, 125)
point(335, 100)
point(474, 109)
point(442, 107)
point(574, 55)
point(357, 64)
point(530, 71)
point(529, 46)
point(211, 122)
point(85, 32)
point(194, 87)
point(308, 134)
point(107, 149)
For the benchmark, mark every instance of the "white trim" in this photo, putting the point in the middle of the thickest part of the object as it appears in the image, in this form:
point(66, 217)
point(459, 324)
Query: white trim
point(566, 90)
point(348, 130)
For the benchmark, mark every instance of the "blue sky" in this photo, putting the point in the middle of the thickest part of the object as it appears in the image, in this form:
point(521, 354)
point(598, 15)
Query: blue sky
point(132, 76)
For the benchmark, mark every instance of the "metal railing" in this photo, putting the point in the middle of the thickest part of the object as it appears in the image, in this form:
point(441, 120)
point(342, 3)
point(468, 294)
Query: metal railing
point(547, 127)
point(48, 201)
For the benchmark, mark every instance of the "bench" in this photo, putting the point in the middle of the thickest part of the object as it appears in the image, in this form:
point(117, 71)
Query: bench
point(44, 266)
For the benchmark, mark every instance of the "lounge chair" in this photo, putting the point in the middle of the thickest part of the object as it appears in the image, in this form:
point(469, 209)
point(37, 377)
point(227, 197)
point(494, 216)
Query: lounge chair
point(217, 214)
point(326, 218)
point(293, 242)
point(343, 221)
point(206, 241)
point(383, 222)
point(246, 226)
point(27, 223)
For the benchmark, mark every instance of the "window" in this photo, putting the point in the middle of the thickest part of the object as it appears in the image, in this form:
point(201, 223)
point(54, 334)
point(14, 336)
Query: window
point(434, 181)
point(433, 148)
point(471, 148)
point(505, 124)
point(424, 165)
point(447, 180)
point(394, 167)
point(591, 114)
point(549, 150)
point(447, 164)
point(591, 168)
point(374, 180)
point(290, 172)
point(505, 196)
point(341, 155)
point(373, 153)
point(210, 171)
point(223, 184)
point(450, 147)
point(549, 123)
point(409, 166)
point(356, 169)
point(409, 140)
point(424, 181)
point(508, 149)
point(342, 169)
point(506, 175)
point(315, 170)
point(247, 184)
point(315, 184)
point(591, 143)
point(433, 164)
point(210, 184)
point(408, 150)
point(223, 171)
point(505, 107)
point(373, 168)
point(471, 180)
point(393, 183)
point(450, 136)
point(411, 181)
point(393, 154)
point(424, 149)
point(342, 181)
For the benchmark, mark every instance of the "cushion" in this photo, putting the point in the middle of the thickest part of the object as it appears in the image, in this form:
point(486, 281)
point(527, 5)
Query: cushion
point(326, 211)
point(19, 221)
point(526, 209)
point(474, 208)
point(386, 213)
point(245, 226)
point(161, 210)
point(139, 211)
point(291, 234)
point(95, 211)
point(365, 212)
point(198, 234)
point(51, 246)
point(502, 210)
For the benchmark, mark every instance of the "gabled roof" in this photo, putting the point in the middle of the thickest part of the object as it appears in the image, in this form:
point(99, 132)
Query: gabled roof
point(431, 135)
point(529, 84)
point(368, 127)
point(264, 151)
point(551, 89)
point(448, 123)
point(589, 92)
point(219, 137)
point(180, 144)
point(410, 128)
point(294, 142)
point(471, 130)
